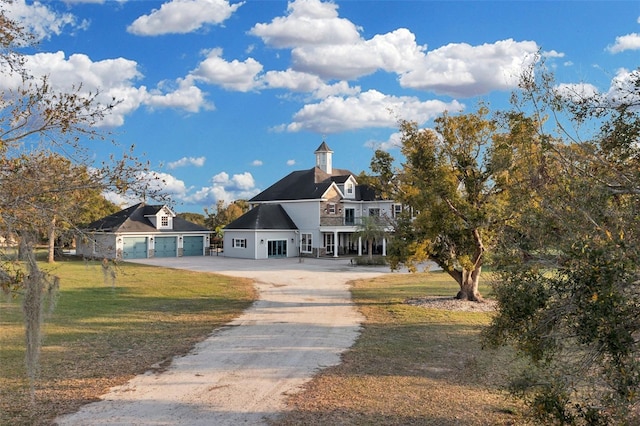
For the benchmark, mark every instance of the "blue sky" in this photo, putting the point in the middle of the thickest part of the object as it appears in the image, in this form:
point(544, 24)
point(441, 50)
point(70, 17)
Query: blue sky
point(226, 97)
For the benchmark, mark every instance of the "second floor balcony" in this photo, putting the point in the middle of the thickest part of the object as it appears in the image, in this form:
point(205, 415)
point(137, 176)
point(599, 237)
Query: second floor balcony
point(353, 221)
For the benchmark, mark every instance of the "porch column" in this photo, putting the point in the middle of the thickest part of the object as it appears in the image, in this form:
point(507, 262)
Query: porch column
point(384, 246)
point(359, 246)
point(336, 243)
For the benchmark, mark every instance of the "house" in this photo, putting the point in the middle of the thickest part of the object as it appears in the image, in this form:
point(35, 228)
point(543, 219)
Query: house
point(143, 231)
point(314, 212)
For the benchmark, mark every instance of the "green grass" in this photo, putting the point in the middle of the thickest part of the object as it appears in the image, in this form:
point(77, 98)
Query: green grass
point(411, 365)
point(100, 335)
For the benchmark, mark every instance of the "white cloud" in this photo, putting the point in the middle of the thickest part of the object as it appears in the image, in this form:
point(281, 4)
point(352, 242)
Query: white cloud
point(183, 16)
point(576, 92)
point(187, 161)
point(183, 94)
point(368, 109)
point(625, 42)
point(459, 69)
point(157, 182)
point(225, 188)
point(234, 75)
point(308, 23)
point(291, 162)
point(396, 51)
point(393, 142)
point(296, 81)
point(39, 19)
point(257, 163)
point(111, 79)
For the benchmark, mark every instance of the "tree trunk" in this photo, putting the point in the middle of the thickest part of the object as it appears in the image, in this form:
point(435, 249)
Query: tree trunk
point(468, 282)
point(52, 241)
point(370, 248)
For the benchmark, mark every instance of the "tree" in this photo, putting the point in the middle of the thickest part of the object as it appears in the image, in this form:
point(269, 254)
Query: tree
point(569, 273)
point(369, 229)
point(454, 185)
point(193, 217)
point(50, 194)
point(36, 121)
point(224, 215)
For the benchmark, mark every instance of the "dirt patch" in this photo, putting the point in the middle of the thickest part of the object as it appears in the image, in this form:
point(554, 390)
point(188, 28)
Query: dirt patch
point(452, 304)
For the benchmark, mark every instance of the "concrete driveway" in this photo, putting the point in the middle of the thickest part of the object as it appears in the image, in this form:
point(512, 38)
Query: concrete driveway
point(242, 373)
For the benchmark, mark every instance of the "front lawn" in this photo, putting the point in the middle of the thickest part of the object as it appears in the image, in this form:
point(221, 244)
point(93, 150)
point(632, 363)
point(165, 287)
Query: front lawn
point(102, 333)
point(412, 365)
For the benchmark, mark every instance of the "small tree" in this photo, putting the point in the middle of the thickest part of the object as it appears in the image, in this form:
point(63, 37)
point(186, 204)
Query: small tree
point(370, 228)
point(569, 277)
point(33, 114)
point(455, 182)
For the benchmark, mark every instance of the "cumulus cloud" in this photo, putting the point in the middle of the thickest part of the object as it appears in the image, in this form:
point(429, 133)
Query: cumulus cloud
point(310, 23)
point(112, 79)
point(576, 92)
point(368, 109)
point(625, 42)
point(396, 51)
point(291, 162)
point(459, 69)
point(296, 81)
point(183, 16)
point(225, 188)
point(187, 161)
point(257, 163)
point(393, 142)
point(326, 47)
point(156, 182)
point(181, 94)
point(234, 75)
point(40, 20)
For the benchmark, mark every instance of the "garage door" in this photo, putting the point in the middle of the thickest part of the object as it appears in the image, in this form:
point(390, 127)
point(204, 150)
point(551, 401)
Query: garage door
point(134, 248)
point(166, 247)
point(193, 246)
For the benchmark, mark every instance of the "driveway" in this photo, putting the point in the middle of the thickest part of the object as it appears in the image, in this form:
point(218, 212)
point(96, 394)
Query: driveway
point(304, 319)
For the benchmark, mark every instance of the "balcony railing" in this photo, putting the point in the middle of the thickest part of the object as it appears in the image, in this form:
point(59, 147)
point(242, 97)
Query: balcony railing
point(343, 221)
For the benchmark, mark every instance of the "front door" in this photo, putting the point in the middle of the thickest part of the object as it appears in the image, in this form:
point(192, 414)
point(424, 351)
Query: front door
point(329, 243)
point(277, 248)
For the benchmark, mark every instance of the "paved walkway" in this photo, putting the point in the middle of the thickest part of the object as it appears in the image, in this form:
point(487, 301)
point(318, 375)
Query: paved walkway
point(242, 373)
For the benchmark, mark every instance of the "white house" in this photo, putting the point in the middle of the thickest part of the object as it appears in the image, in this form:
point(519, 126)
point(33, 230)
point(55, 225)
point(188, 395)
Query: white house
point(142, 231)
point(314, 212)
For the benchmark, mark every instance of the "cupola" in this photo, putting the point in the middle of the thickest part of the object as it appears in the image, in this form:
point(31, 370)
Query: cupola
point(324, 158)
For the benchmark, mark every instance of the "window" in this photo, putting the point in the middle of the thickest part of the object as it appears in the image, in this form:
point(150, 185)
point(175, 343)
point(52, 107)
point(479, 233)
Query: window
point(305, 243)
point(239, 243)
point(349, 188)
point(331, 208)
point(374, 212)
point(397, 209)
point(164, 221)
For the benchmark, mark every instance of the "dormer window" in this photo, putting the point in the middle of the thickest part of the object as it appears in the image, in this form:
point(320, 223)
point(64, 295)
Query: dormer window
point(164, 221)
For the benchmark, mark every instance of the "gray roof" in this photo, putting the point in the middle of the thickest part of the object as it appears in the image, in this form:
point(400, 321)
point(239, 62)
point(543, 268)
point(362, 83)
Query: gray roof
point(264, 216)
point(308, 184)
point(135, 219)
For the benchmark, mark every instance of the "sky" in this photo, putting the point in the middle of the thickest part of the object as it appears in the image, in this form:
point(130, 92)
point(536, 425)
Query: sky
point(224, 98)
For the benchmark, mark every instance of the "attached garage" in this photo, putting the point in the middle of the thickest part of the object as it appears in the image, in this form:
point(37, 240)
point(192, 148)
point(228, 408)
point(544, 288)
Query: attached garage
point(166, 247)
point(193, 246)
point(134, 248)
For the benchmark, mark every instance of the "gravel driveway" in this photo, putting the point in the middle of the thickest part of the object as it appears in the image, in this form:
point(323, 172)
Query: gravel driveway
point(242, 373)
